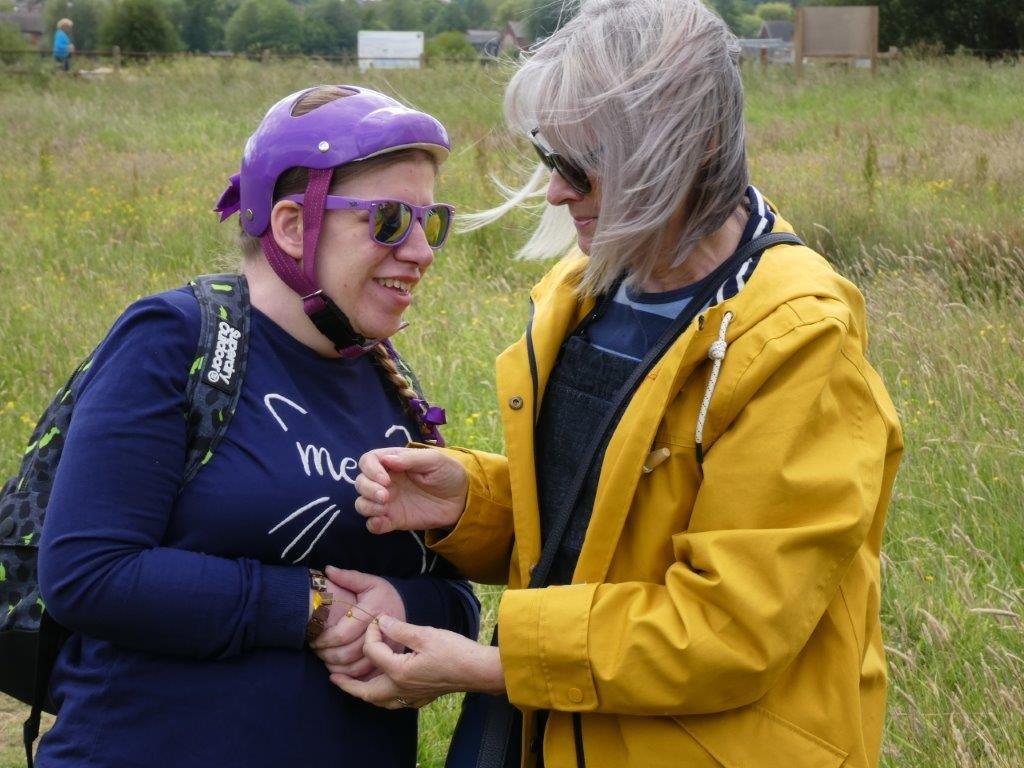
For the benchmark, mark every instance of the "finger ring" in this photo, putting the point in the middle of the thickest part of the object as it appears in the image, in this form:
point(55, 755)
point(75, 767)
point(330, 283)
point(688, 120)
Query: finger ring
point(404, 702)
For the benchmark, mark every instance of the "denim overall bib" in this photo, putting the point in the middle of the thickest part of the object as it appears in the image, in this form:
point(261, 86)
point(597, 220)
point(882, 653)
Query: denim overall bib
point(580, 392)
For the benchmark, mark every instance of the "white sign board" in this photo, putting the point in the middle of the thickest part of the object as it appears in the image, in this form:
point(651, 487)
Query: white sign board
point(389, 50)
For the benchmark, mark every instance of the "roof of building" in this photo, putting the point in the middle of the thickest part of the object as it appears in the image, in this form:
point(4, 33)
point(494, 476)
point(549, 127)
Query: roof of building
point(482, 36)
point(28, 22)
point(519, 29)
point(777, 30)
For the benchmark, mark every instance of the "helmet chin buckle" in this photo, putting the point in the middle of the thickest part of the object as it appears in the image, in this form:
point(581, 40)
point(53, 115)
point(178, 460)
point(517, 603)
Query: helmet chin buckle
point(335, 325)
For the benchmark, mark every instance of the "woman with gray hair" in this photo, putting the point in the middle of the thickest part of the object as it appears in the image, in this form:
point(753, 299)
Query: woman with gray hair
point(699, 456)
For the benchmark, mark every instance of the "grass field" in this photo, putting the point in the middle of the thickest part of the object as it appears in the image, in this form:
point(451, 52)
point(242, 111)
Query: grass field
point(912, 184)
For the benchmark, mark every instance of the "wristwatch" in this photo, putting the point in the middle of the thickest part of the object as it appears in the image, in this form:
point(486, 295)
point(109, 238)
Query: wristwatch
point(322, 600)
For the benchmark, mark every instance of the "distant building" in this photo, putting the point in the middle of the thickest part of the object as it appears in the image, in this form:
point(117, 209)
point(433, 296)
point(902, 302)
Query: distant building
point(777, 30)
point(384, 49)
point(486, 41)
point(514, 38)
point(29, 23)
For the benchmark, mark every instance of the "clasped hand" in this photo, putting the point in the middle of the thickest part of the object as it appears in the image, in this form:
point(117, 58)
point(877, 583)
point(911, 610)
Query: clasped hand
point(359, 598)
point(436, 662)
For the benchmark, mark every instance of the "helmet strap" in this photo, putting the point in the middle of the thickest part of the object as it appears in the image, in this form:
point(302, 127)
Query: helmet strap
point(312, 219)
point(325, 314)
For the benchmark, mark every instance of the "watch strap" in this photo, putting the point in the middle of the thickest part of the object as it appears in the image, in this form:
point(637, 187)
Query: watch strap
point(322, 600)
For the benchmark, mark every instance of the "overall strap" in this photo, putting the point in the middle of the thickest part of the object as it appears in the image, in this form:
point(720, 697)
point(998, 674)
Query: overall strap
point(215, 379)
point(602, 434)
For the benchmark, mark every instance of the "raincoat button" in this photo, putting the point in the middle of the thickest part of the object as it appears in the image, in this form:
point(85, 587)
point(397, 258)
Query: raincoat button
point(515, 403)
point(575, 695)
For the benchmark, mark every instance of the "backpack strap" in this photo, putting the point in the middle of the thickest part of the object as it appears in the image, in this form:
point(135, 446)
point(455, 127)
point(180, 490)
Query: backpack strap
point(215, 378)
point(51, 637)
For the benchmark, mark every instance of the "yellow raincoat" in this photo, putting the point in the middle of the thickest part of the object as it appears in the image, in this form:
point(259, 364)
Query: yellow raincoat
point(724, 614)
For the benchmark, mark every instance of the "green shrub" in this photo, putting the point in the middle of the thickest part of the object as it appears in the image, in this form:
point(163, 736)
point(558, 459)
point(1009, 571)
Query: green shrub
point(329, 27)
point(749, 25)
point(139, 26)
point(775, 11)
point(450, 45)
point(271, 25)
point(13, 46)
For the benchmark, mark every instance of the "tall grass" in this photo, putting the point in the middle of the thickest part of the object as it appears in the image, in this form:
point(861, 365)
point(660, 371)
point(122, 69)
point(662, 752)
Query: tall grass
point(911, 183)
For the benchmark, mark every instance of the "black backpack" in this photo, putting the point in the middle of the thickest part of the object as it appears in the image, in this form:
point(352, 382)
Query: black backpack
point(29, 637)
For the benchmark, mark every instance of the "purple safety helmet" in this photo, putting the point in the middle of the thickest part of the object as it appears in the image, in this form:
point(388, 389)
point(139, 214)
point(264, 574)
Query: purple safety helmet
point(356, 127)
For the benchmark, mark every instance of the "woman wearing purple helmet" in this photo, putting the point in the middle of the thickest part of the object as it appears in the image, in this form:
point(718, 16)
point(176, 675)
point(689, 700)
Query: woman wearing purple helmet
point(192, 602)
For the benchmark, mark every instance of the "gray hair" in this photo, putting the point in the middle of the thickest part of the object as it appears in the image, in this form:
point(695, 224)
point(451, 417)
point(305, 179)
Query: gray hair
point(646, 97)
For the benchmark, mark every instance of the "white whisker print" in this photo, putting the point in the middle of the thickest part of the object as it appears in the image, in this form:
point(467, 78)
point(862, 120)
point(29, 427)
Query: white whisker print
point(305, 530)
point(299, 511)
point(322, 532)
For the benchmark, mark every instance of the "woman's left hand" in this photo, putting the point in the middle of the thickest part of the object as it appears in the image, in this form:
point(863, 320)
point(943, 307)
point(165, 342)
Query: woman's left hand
point(438, 662)
point(340, 647)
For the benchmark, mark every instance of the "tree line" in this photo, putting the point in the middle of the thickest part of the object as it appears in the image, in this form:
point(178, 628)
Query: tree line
point(330, 27)
point(315, 27)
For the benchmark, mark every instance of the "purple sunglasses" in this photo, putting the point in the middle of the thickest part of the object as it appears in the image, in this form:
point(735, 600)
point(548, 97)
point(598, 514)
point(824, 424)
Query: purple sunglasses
point(391, 220)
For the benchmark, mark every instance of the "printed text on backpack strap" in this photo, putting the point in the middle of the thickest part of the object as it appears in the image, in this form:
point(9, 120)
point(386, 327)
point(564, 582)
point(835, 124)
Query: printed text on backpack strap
point(216, 374)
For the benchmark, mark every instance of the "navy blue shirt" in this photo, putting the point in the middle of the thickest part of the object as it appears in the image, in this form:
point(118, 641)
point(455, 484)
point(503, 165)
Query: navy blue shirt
point(189, 608)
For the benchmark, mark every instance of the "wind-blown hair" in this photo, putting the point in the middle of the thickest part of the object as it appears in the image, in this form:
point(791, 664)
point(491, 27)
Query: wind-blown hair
point(645, 95)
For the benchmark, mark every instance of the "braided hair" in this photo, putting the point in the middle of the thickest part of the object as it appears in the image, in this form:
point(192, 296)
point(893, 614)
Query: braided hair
point(401, 377)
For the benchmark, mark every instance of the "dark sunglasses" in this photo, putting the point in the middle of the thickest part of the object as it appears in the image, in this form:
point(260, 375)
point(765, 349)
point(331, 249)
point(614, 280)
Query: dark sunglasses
point(391, 220)
point(574, 176)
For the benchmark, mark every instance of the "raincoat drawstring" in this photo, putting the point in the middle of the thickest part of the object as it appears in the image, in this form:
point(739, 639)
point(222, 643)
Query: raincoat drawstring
point(716, 353)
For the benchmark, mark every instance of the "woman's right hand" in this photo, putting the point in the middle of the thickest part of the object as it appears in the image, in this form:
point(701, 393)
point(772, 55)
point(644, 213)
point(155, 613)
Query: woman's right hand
point(410, 489)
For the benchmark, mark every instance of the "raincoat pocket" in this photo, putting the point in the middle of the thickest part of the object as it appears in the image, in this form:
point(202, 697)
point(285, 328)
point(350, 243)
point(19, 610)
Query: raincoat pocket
point(753, 736)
